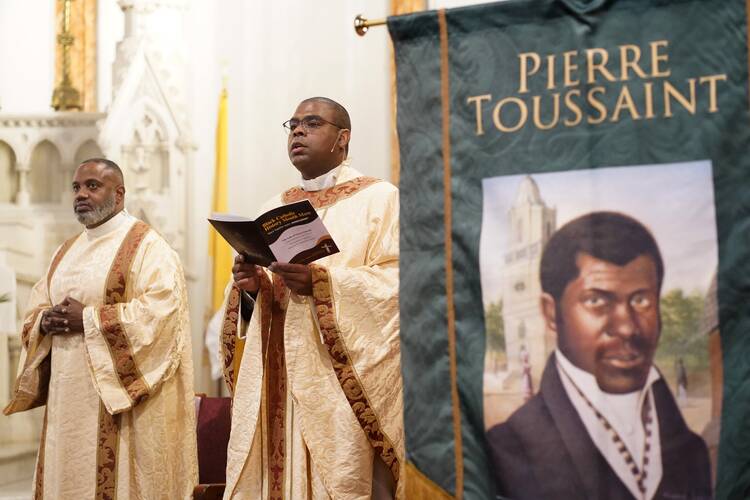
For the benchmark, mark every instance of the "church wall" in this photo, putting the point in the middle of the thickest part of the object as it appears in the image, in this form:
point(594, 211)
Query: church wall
point(109, 31)
point(26, 34)
point(273, 54)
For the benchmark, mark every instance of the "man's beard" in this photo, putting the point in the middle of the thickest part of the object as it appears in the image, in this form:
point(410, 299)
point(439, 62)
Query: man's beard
point(97, 214)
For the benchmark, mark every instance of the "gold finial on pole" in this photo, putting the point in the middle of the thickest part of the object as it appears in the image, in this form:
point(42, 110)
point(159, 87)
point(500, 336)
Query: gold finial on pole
point(65, 96)
point(362, 25)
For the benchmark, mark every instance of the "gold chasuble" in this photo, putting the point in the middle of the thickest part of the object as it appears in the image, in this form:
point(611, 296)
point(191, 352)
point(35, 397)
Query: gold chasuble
point(120, 417)
point(318, 402)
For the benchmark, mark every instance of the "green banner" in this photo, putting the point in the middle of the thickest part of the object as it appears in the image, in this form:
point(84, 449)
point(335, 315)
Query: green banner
point(575, 286)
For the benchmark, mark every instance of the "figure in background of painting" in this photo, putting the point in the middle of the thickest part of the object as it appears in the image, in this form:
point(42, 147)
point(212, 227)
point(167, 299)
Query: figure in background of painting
point(682, 383)
point(603, 424)
point(528, 384)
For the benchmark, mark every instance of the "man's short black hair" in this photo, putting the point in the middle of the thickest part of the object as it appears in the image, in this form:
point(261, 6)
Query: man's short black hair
point(609, 236)
point(340, 114)
point(108, 164)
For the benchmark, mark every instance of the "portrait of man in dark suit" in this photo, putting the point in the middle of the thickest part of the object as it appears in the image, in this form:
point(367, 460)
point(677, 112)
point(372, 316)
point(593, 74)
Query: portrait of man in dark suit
point(604, 424)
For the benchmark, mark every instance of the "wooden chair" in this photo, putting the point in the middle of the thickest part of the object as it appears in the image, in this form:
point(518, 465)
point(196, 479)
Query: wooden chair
point(214, 421)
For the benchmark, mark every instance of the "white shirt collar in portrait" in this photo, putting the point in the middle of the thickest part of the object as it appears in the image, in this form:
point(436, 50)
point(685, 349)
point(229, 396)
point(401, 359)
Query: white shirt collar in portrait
point(623, 412)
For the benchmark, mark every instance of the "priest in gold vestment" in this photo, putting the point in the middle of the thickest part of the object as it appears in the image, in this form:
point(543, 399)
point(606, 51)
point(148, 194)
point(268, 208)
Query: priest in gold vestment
point(106, 347)
point(318, 404)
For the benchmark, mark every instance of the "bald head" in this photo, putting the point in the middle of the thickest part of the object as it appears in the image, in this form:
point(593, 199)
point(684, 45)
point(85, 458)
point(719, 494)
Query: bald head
point(99, 191)
point(340, 113)
point(108, 166)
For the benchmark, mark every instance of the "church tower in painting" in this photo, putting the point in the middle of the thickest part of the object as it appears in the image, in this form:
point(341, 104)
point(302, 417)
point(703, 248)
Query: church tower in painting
point(531, 223)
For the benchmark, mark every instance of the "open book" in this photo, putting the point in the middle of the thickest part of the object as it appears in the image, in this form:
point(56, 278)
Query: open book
point(291, 233)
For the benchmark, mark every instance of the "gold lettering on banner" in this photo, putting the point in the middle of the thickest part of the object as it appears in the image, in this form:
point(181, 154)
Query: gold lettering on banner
point(656, 58)
point(550, 72)
point(645, 92)
point(671, 92)
point(526, 71)
point(537, 112)
point(648, 89)
point(625, 101)
point(595, 103)
point(523, 110)
point(598, 66)
point(569, 68)
point(627, 63)
point(711, 80)
point(574, 107)
point(477, 99)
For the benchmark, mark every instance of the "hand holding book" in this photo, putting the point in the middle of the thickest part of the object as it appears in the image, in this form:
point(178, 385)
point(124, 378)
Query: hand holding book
point(288, 234)
point(246, 275)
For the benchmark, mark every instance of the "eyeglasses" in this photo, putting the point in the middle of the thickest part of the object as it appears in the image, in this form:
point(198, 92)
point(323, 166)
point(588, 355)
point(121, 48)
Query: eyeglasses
point(310, 123)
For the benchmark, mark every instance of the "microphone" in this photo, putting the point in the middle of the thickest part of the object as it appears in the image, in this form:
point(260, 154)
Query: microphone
point(333, 146)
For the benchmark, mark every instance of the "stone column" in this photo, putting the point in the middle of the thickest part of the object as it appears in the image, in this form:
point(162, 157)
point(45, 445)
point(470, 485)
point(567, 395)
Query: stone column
point(23, 197)
point(66, 196)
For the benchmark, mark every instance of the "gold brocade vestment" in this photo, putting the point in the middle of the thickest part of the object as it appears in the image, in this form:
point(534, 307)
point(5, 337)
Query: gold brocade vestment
point(120, 417)
point(318, 400)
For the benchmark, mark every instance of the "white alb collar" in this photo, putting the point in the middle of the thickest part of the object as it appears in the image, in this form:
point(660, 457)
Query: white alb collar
point(109, 226)
point(324, 181)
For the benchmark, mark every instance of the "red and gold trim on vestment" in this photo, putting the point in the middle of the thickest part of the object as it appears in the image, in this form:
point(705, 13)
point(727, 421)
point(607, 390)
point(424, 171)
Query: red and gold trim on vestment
point(39, 474)
point(116, 284)
point(58, 257)
point(30, 389)
point(230, 327)
point(229, 335)
point(327, 197)
point(112, 330)
point(274, 368)
point(115, 291)
point(344, 368)
point(106, 455)
point(130, 376)
point(31, 318)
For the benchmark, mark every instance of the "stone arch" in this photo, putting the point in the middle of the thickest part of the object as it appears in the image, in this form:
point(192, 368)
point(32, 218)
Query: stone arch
point(89, 149)
point(45, 175)
point(8, 174)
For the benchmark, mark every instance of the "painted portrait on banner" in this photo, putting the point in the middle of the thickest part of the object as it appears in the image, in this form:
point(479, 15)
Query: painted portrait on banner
point(603, 355)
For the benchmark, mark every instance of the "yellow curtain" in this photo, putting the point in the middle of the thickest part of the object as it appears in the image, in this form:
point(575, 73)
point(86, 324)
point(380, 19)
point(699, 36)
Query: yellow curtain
point(82, 72)
point(219, 250)
point(399, 7)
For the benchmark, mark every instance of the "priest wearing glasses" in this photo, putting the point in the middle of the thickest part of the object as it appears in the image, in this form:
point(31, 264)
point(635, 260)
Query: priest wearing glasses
point(317, 400)
point(604, 424)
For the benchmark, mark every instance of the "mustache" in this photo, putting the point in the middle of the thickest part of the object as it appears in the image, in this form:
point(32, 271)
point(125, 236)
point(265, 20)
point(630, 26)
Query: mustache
point(96, 214)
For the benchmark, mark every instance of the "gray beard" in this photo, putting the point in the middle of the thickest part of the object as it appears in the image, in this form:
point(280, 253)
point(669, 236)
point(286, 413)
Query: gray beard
point(99, 213)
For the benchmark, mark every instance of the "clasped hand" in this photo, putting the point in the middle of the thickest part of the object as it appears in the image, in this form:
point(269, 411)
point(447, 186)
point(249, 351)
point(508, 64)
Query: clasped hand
point(65, 317)
point(297, 277)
